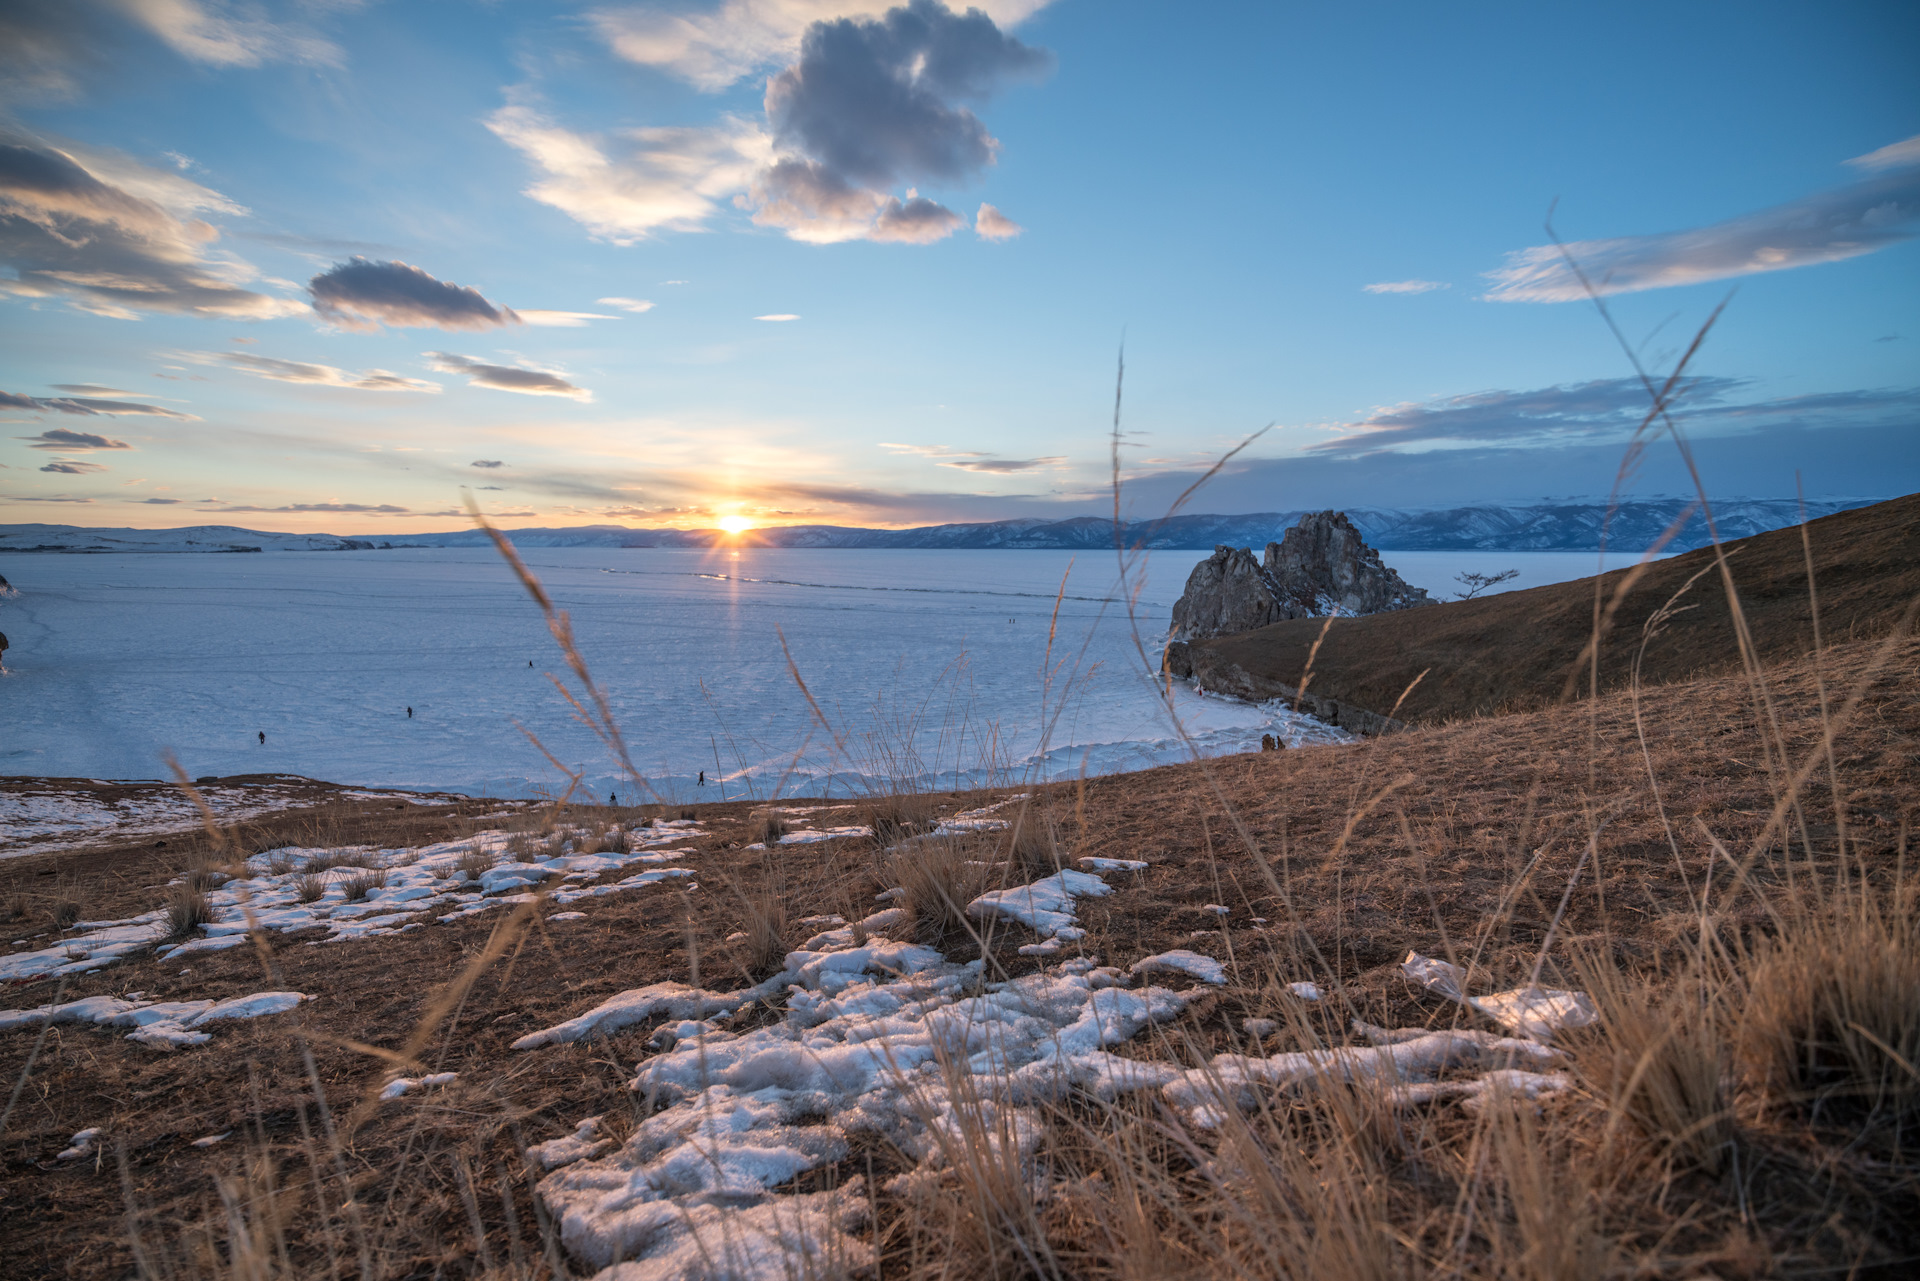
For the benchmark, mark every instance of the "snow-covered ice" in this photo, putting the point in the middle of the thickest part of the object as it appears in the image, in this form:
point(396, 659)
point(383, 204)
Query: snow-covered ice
point(324, 654)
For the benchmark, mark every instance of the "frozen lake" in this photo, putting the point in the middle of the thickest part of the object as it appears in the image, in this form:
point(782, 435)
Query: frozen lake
point(930, 665)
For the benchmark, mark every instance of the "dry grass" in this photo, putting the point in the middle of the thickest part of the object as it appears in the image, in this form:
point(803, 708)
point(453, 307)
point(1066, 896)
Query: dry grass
point(1032, 848)
point(940, 875)
point(896, 818)
point(187, 911)
point(474, 863)
point(767, 827)
point(360, 884)
point(310, 888)
point(758, 944)
point(63, 914)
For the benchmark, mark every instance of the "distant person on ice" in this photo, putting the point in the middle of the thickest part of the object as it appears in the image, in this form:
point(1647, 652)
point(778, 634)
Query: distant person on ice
point(409, 713)
point(703, 778)
point(263, 738)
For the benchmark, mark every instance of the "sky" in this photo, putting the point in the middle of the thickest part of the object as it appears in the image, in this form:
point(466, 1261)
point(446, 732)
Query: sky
point(341, 265)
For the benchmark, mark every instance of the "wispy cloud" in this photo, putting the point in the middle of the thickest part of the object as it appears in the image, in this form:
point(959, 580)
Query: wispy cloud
point(300, 371)
point(67, 467)
point(641, 182)
point(488, 463)
point(66, 442)
point(974, 460)
point(528, 382)
point(117, 238)
point(89, 407)
point(560, 319)
point(1829, 226)
point(635, 305)
point(363, 509)
point(778, 317)
point(1406, 286)
point(1604, 410)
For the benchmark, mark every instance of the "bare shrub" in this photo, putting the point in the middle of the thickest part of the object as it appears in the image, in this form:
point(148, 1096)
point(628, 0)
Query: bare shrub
point(897, 817)
point(187, 910)
point(310, 888)
point(441, 871)
point(1660, 1062)
point(280, 862)
point(766, 826)
point(762, 907)
point(331, 859)
point(522, 847)
point(940, 877)
point(588, 842)
point(474, 863)
point(64, 914)
point(359, 885)
point(616, 841)
point(15, 908)
point(1032, 850)
point(205, 877)
point(1830, 1022)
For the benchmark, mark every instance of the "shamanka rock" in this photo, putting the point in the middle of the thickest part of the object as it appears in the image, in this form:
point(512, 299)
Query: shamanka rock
point(1321, 566)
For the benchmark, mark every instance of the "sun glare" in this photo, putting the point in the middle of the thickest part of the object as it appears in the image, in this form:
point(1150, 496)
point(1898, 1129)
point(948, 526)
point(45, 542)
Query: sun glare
point(736, 524)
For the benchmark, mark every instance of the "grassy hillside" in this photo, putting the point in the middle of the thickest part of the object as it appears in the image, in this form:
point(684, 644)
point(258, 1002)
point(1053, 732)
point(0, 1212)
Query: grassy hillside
point(1517, 650)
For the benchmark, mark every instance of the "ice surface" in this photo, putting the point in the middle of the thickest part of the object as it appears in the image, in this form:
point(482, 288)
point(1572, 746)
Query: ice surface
point(1530, 1011)
point(232, 646)
point(1181, 961)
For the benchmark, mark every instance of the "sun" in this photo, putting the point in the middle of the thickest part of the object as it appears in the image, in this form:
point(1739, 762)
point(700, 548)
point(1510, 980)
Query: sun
point(736, 524)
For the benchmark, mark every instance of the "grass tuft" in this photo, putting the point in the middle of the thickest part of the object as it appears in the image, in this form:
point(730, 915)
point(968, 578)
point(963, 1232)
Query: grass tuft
point(187, 911)
point(359, 885)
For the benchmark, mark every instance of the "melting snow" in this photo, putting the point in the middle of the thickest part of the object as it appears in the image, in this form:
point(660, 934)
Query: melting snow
point(1181, 961)
point(1531, 1011)
point(403, 1084)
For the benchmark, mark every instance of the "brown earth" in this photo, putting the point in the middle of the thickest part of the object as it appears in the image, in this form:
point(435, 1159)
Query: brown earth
point(1457, 839)
point(1528, 649)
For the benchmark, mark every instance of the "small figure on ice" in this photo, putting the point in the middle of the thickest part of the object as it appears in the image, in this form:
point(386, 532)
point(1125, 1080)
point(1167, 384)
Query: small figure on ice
point(409, 713)
point(263, 738)
point(703, 778)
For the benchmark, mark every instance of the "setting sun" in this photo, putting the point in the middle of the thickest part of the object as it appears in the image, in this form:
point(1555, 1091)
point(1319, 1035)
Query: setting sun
point(736, 524)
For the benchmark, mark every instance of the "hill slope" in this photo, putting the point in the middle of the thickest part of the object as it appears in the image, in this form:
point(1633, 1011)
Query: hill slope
point(1515, 651)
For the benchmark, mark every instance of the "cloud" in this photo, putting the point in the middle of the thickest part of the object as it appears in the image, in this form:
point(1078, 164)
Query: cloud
point(48, 46)
point(42, 498)
point(364, 293)
point(974, 460)
point(872, 102)
point(117, 238)
point(1603, 410)
point(778, 317)
point(299, 371)
point(529, 382)
point(88, 407)
point(991, 224)
point(873, 99)
point(159, 502)
point(1406, 287)
point(365, 509)
point(488, 463)
point(59, 438)
point(67, 467)
point(93, 389)
point(715, 48)
point(560, 319)
point(648, 181)
point(1829, 226)
point(635, 305)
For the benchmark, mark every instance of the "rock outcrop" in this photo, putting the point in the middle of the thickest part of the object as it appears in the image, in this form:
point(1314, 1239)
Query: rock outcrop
point(1321, 566)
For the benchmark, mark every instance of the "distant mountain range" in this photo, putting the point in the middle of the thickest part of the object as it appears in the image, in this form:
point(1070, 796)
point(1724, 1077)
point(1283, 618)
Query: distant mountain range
point(1571, 526)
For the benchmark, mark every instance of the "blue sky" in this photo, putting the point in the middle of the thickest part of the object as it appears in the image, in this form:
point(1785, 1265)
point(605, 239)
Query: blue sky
point(302, 265)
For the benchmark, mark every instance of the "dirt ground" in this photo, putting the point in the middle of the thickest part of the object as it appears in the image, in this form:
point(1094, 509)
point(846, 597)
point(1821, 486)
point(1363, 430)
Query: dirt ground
point(1495, 841)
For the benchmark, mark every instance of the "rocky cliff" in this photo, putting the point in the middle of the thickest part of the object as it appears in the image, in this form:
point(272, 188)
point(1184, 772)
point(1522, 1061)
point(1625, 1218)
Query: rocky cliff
point(1321, 566)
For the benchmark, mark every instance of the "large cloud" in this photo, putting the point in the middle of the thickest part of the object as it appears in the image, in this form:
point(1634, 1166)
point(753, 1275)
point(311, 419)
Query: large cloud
point(873, 101)
point(117, 238)
point(300, 371)
point(364, 293)
point(715, 48)
point(528, 382)
point(88, 407)
point(1828, 226)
